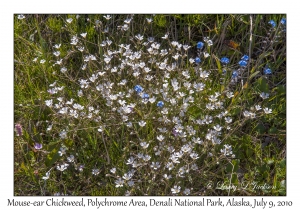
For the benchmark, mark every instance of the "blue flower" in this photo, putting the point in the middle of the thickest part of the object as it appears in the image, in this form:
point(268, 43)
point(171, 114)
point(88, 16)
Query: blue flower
point(160, 104)
point(138, 88)
point(38, 146)
point(145, 96)
point(234, 74)
point(245, 58)
point(225, 60)
point(267, 71)
point(242, 63)
point(283, 21)
point(197, 60)
point(200, 45)
point(273, 24)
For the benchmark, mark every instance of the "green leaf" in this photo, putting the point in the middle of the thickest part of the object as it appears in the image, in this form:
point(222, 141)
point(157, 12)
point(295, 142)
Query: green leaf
point(218, 64)
point(68, 143)
point(52, 157)
point(253, 75)
point(53, 145)
point(262, 85)
point(273, 130)
point(260, 128)
point(195, 111)
point(282, 163)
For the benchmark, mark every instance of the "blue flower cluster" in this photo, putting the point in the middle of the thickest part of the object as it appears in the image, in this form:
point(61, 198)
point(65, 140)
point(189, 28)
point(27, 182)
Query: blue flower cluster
point(234, 74)
point(160, 104)
point(145, 96)
point(243, 62)
point(272, 23)
point(200, 45)
point(267, 71)
point(197, 60)
point(225, 60)
point(138, 88)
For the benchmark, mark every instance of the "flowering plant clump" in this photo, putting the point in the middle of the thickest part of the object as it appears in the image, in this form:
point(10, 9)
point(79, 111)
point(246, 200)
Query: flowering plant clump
point(138, 114)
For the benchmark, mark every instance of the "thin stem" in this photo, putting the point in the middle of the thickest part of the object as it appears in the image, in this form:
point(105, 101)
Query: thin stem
point(108, 159)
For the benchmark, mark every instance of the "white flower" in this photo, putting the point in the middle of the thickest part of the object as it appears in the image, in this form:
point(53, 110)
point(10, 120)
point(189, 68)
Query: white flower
point(59, 62)
point(125, 27)
point(47, 176)
point(63, 134)
point(71, 158)
point(264, 95)
point(62, 151)
point(83, 35)
point(267, 110)
point(130, 183)
point(160, 138)
point(186, 148)
point(228, 120)
point(142, 123)
point(229, 94)
point(139, 37)
point(107, 17)
point(204, 74)
point(130, 161)
point(127, 176)
point(149, 20)
point(74, 40)
point(113, 170)
point(175, 189)
point(186, 47)
point(191, 60)
point(63, 70)
point(187, 191)
point(155, 165)
point(128, 20)
point(206, 54)
point(49, 128)
point(194, 156)
point(56, 53)
point(70, 20)
point(95, 171)
point(218, 127)
point(57, 46)
point(119, 182)
point(247, 113)
point(42, 61)
point(62, 167)
point(20, 17)
point(194, 167)
point(165, 36)
point(49, 102)
point(144, 145)
point(227, 150)
point(257, 107)
point(100, 129)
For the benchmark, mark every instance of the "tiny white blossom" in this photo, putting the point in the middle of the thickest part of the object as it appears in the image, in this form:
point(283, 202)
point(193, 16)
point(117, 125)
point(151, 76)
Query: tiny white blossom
point(70, 20)
point(267, 110)
point(142, 123)
point(83, 35)
point(175, 189)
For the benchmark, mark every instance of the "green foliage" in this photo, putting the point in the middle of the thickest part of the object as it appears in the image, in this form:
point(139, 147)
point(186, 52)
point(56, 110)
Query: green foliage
point(258, 144)
point(55, 23)
point(160, 20)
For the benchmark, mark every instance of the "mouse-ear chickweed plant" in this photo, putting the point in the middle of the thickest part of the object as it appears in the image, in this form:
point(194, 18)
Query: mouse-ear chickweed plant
point(129, 105)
